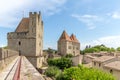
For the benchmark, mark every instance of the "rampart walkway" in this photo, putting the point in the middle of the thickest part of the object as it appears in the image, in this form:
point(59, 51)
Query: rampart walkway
point(20, 69)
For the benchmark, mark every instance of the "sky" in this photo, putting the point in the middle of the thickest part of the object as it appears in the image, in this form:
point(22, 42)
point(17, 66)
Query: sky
point(94, 22)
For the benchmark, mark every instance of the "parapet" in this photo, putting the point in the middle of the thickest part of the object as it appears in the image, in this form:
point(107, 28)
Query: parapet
point(6, 53)
point(15, 35)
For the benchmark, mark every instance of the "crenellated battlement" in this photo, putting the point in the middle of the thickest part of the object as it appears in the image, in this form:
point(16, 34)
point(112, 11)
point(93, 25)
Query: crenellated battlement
point(14, 35)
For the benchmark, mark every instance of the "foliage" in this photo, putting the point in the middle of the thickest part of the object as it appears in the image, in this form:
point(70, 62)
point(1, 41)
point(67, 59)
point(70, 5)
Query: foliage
point(61, 63)
point(97, 48)
point(52, 71)
point(69, 56)
point(51, 51)
point(118, 49)
point(83, 73)
point(82, 52)
point(111, 50)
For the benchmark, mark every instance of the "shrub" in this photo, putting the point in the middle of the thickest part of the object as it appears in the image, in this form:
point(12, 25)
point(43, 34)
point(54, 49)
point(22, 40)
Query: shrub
point(83, 73)
point(69, 56)
point(52, 71)
point(61, 63)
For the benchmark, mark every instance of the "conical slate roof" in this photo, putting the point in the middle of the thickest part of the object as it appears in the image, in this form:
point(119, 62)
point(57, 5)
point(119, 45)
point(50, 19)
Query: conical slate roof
point(64, 36)
point(23, 25)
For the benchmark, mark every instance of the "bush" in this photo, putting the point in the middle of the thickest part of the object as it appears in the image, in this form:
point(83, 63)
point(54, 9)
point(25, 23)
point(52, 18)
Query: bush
point(83, 73)
point(61, 63)
point(52, 71)
point(69, 56)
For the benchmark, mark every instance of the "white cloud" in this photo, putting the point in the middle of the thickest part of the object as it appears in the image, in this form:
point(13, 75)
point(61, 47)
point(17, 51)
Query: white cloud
point(11, 11)
point(110, 41)
point(89, 20)
point(116, 15)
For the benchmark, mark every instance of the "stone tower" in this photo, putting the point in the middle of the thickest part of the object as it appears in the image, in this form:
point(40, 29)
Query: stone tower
point(68, 45)
point(28, 39)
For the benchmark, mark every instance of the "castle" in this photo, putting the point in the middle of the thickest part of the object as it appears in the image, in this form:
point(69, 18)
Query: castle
point(28, 39)
point(68, 45)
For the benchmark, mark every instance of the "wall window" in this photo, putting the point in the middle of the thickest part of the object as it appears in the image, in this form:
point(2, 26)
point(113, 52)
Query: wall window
point(111, 71)
point(77, 48)
point(99, 64)
point(19, 43)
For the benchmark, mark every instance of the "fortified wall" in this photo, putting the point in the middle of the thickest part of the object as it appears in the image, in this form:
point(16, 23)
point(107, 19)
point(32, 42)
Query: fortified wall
point(6, 56)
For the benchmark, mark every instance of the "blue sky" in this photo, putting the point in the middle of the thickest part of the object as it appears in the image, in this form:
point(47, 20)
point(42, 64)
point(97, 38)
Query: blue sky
point(92, 21)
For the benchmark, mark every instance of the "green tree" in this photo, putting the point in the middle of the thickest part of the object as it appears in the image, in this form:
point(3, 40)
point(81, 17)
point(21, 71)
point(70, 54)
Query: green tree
point(50, 50)
point(98, 48)
point(118, 49)
point(83, 73)
point(111, 50)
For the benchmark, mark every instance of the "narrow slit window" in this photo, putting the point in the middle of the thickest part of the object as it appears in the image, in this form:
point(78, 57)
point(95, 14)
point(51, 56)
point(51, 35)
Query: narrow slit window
point(19, 43)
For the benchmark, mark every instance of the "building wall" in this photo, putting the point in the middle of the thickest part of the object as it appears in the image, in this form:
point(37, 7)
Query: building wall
point(23, 46)
point(6, 56)
point(100, 65)
point(77, 60)
point(97, 65)
point(68, 47)
point(62, 47)
point(88, 59)
point(115, 73)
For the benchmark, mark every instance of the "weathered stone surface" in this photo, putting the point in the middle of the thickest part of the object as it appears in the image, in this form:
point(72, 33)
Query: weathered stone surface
point(28, 38)
point(68, 45)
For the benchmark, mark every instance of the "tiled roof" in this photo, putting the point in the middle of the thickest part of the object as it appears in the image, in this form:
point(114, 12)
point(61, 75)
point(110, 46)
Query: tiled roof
point(64, 36)
point(113, 65)
point(73, 38)
point(103, 58)
point(23, 25)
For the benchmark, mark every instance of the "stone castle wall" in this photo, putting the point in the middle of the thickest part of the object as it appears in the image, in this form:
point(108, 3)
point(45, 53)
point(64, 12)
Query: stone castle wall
point(6, 56)
point(68, 47)
point(77, 60)
point(62, 47)
point(29, 43)
point(14, 35)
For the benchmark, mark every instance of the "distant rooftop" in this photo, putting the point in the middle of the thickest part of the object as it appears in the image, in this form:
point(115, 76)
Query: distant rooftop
point(113, 65)
point(23, 25)
point(66, 37)
point(103, 58)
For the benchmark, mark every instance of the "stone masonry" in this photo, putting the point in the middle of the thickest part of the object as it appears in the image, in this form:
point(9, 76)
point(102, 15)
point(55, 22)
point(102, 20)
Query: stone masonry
point(28, 39)
point(68, 45)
